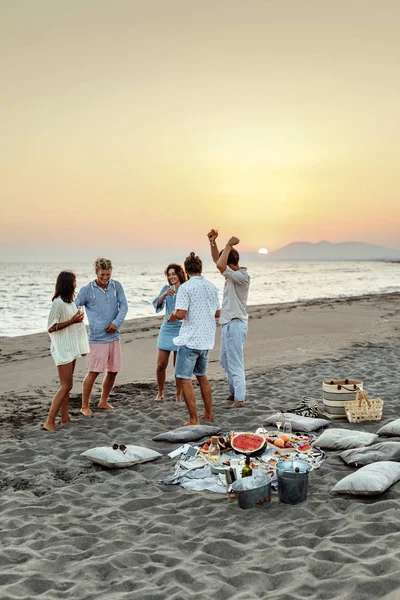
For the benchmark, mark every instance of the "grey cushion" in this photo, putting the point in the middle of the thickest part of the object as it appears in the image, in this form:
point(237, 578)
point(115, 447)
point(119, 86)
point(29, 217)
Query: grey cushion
point(358, 457)
point(392, 428)
point(342, 439)
point(370, 480)
point(300, 423)
point(116, 459)
point(191, 433)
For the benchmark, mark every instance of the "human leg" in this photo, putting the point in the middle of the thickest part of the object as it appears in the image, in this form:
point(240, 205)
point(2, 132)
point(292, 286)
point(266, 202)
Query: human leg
point(87, 387)
point(178, 385)
point(189, 397)
point(185, 363)
point(224, 361)
point(108, 384)
point(162, 363)
point(113, 368)
point(205, 389)
point(65, 374)
point(64, 408)
point(235, 338)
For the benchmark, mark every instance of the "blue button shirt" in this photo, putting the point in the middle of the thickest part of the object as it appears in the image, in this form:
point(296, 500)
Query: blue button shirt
point(102, 308)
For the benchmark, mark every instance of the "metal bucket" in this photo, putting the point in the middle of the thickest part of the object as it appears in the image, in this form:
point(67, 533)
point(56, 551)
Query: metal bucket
point(292, 480)
point(251, 491)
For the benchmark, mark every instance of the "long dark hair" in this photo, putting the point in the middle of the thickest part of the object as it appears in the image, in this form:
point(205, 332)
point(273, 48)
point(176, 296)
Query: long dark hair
point(193, 264)
point(65, 288)
point(178, 270)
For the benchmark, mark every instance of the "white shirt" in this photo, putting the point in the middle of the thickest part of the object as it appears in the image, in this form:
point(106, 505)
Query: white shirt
point(234, 299)
point(199, 297)
point(68, 343)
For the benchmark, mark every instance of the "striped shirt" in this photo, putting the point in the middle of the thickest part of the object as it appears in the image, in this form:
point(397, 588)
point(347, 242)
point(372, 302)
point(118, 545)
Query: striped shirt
point(70, 342)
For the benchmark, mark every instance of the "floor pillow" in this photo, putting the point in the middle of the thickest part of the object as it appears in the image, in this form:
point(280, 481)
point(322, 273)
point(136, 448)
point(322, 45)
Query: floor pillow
point(358, 457)
point(370, 480)
point(299, 423)
point(342, 439)
point(119, 456)
point(190, 433)
point(392, 428)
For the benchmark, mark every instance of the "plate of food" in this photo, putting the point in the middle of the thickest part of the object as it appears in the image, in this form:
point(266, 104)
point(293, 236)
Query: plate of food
point(286, 443)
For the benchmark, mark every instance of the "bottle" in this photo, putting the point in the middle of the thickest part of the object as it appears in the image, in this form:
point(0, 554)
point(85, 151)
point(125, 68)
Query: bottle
point(247, 471)
point(287, 426)
point(214, 452)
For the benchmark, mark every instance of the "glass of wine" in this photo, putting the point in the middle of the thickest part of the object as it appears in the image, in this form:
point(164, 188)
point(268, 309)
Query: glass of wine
point(82, 312)
point(279, 419)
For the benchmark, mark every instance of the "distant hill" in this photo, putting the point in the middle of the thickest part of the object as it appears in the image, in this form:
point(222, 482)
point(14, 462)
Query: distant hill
point(328, 251)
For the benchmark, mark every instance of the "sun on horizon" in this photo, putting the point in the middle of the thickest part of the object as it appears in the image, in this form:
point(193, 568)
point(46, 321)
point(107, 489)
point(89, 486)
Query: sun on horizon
point(263, 251)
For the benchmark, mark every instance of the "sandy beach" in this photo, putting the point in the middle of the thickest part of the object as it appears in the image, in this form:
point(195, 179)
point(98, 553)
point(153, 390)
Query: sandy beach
point(71, 529)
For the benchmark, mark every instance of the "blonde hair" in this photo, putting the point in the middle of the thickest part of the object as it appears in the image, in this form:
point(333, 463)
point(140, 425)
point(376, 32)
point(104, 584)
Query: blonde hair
point(102, 263)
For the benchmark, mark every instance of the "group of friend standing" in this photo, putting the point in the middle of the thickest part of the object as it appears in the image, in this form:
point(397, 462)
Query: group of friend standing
point(191, 306)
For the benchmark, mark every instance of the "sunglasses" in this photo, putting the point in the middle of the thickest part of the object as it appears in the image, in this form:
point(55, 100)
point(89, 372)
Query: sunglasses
point(121, 447)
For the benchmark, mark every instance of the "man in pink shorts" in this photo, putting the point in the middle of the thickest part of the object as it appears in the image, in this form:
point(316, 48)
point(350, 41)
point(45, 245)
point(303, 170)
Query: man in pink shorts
point(106, 308)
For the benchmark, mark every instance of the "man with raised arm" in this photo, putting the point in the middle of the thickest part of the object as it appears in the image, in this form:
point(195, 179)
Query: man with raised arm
point(106, 308)
point(234, 317)
point(197, 304)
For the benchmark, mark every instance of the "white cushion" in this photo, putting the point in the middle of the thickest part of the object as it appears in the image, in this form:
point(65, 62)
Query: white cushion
point(370, 480)
point(392, 428)
point(116, 459)
point(342, 439)
point(358, 457)
point(299, 423)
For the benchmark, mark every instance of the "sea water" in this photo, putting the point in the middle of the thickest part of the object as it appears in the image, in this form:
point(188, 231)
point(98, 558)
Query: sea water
point(27, 289)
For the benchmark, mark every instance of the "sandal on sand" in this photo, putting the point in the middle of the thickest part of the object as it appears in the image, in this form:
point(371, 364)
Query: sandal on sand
point(230, 398)
point(237, 405)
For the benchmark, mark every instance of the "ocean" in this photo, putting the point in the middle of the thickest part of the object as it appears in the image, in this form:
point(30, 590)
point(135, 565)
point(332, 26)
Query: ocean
point(27, 288)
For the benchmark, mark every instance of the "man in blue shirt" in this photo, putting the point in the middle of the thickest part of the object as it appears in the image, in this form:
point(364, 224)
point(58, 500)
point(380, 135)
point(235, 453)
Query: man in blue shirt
point(106, 308)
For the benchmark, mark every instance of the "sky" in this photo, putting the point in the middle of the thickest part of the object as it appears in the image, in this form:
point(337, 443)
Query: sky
point(131, 128)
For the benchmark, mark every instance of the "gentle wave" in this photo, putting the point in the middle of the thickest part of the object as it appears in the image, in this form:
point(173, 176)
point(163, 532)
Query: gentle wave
point(25, 302)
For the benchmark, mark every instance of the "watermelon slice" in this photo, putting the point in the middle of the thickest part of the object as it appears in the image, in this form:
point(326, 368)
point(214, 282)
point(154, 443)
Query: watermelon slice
point(304, 448)
point(252, 444)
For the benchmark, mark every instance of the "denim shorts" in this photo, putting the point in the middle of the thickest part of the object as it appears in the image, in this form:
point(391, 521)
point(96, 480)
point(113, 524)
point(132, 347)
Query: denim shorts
point(190, 362)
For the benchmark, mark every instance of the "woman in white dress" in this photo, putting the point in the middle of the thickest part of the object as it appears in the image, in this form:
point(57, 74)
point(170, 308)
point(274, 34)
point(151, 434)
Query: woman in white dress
point(68, 341)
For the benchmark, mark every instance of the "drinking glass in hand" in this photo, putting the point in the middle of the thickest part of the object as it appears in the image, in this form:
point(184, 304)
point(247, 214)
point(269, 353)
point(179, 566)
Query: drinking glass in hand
point(82, 312)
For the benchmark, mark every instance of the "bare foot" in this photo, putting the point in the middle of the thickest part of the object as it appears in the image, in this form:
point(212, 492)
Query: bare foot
point(49, 426)
point(179, 399)
point(159, 397)
point(105, 406)
point(191, 423)
point(86, 411)
point(237, 405)
point(206, 418)
point(68, 422)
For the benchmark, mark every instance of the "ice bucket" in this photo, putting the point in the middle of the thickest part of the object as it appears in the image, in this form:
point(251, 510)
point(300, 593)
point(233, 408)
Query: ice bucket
point(251, 491)
point(292, 480)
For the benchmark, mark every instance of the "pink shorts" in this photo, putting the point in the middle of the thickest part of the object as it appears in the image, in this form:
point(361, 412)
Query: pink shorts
point(103, 356)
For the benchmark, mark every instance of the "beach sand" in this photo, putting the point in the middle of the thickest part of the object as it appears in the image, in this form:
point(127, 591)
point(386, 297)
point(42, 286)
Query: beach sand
point(71, 529)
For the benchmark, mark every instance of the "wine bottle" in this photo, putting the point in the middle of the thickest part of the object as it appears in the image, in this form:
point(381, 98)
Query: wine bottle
point(247, 471)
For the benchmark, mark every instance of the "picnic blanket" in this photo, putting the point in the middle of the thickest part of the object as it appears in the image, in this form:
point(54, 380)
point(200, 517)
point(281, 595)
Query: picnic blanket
point(203, 479)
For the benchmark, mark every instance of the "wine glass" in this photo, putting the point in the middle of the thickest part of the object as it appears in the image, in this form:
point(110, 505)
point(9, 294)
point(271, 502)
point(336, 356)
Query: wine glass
point(279, 419)
point(82, 312)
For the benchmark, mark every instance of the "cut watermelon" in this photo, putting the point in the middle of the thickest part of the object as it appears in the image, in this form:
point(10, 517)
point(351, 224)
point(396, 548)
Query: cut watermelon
point(304, 447)
point(248, 443)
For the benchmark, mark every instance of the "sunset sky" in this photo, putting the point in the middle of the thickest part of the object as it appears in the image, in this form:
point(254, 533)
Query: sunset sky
point(130, 128)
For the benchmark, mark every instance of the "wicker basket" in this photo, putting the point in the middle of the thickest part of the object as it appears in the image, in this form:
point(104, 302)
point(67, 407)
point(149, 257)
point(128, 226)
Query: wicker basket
point(363, 408)
point(336, 393)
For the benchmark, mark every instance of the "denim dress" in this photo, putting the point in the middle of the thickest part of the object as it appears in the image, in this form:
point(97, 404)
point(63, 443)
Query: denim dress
point(168, 330)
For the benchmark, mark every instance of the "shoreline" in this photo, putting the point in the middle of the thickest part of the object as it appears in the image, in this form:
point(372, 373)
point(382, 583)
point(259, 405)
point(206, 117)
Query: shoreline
point(285, 333)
